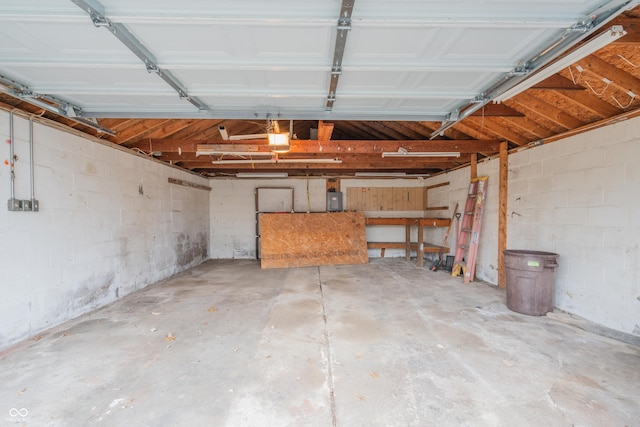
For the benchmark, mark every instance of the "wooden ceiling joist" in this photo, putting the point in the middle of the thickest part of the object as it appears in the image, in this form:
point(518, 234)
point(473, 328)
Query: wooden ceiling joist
point(590, 102)
point(498, 129)
point(325, 130)
point(548, 111)
point(619, 78)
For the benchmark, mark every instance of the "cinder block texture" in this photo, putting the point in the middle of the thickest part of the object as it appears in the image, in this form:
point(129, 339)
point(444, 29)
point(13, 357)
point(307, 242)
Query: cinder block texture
point(589, 217)
point(109, 224)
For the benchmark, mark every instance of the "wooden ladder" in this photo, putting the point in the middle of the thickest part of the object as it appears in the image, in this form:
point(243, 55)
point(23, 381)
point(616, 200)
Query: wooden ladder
point(469, 236)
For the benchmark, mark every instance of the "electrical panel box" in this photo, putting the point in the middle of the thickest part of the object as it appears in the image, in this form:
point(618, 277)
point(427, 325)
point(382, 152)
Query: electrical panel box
point(334, 201)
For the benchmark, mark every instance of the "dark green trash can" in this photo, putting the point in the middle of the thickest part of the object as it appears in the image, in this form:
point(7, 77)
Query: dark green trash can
point(530, 281)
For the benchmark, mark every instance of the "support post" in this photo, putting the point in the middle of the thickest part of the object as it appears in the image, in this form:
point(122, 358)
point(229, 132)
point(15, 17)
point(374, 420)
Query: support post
point(474, 165)
point(407, 255)
point(502, 213)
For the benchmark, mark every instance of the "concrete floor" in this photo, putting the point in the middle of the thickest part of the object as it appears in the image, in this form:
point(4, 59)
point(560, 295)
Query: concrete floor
point(384, 344)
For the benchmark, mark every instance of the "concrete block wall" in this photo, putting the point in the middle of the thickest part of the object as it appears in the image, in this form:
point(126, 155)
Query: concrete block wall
point(576, 197)
point(109, 224)
point(233, 211)
point(579, 198)
point(456, 192)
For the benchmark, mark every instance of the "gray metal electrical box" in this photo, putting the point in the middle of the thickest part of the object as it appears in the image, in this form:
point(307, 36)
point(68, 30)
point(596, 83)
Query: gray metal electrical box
point(334, 201)
point(14, 205)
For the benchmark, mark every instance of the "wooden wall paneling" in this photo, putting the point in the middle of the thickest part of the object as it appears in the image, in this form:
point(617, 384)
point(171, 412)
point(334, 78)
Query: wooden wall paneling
point(425, 199)
point(386, 198)
point(362, 197)
point(416, 199)
point(372, 203)
point(401, 198)
point(350, 199)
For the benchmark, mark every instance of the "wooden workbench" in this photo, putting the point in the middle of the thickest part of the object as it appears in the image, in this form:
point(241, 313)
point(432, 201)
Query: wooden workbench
point(420, 247)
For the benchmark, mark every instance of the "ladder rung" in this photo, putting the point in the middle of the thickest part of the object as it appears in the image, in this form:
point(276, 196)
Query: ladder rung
point(468, 230)
point(463, 246)
point(469, 213)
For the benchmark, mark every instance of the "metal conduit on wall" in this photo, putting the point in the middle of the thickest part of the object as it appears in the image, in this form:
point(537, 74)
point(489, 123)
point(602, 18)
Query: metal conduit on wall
point(14, 204)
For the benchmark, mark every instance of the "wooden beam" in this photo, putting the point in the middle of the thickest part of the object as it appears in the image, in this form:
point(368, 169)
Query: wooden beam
point(410, 130)
point(346, 158)
point(196, 130)
point(169, 129)
point(351, 130)
point(324, 130)
point(548, 111)
point(557, 82)
point(631, 26)
point(140, 128)
point(166, 145)
point(422, 222)
point(442, 184)
point(497, 110)
point(478, 132)
point(619, 78)
point(474, 166)
point(590, 102)
point(500, 130)
point(357, 166)
point(335, 146)
point(502, 213)
point(116, 124)
point(530, 126)
point(381, 131)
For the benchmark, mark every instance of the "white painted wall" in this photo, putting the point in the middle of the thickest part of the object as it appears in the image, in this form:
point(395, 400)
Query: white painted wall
point(456, 192)
point(109, 224)
point(579, 198)
point(233, 211)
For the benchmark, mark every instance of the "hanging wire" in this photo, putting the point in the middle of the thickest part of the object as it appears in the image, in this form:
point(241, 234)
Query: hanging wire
point(607, 82)
point(604, 79)
point(628, 62)
point(580, 70)
point(631, 94)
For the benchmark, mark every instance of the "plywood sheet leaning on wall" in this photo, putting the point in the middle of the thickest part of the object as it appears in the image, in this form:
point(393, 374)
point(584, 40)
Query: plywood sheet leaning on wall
point(302, 240)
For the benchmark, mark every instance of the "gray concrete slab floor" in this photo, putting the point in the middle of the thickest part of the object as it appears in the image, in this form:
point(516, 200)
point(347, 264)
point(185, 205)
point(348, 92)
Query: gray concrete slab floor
point(383, 344)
